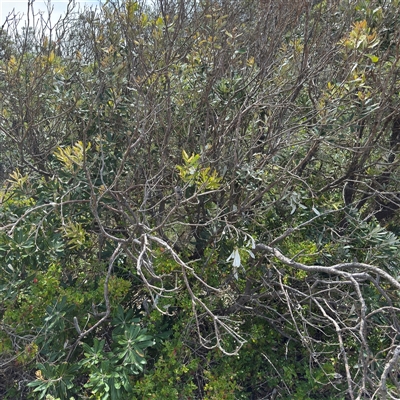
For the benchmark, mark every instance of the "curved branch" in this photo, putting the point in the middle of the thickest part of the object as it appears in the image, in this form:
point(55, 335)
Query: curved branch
point(336, 269)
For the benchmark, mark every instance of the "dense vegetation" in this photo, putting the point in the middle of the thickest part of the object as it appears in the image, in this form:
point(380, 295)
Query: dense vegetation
point(200, 200)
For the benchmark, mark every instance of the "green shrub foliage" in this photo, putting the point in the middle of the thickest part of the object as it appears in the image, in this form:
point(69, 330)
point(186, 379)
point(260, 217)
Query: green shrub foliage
point(200, 200)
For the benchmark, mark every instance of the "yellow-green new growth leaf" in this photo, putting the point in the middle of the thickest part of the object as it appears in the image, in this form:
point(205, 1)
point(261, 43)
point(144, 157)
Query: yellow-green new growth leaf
point(191, 173)
point(17, 179)
point(75, 235)
point(361, 37)
point(72, 155)
point(131, 8)
point(192, 160)
point(207, 180)
point(373, 58)
point(159, 22)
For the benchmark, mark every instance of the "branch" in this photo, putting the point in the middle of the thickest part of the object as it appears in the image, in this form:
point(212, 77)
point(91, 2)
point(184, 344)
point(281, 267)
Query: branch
point(336, 269)
point(382, 390)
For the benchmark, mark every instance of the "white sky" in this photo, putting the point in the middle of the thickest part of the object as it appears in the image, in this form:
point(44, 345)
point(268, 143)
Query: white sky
point(21, 6)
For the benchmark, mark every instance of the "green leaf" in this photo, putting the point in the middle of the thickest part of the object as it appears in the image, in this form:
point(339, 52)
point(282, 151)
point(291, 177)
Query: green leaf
point(372, 57)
